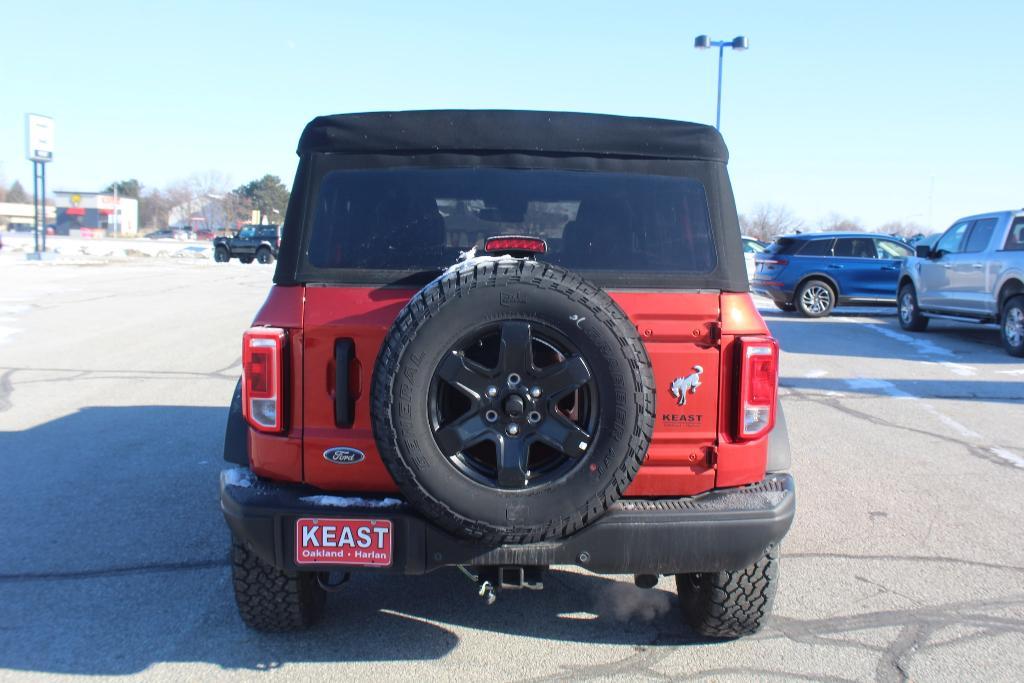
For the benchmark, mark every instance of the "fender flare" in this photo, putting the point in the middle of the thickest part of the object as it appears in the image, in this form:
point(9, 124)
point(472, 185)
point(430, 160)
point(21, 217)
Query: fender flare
point(236, 432)
point(779, 453)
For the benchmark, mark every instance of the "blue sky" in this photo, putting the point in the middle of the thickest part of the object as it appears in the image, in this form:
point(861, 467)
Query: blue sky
point(877, 110)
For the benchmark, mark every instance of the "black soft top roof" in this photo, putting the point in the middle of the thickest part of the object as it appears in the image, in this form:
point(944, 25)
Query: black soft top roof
point(529, 132)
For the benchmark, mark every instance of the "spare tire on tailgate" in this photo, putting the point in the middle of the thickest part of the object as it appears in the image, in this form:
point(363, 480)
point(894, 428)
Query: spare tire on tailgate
point(512, 401)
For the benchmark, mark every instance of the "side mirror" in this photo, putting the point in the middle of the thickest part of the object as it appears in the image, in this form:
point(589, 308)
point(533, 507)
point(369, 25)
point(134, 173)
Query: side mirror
point(923, 251)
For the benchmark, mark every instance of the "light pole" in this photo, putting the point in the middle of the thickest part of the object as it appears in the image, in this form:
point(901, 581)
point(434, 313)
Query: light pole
point(737, 43)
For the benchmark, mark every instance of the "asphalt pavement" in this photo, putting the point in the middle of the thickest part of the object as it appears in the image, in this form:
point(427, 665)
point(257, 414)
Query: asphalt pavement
point(906, 559)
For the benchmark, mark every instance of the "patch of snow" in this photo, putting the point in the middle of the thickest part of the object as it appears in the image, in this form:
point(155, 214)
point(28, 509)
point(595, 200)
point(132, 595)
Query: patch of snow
point(474, 261)
point(924, 347)
point(238, 476)
point(1012, 458)
point(959, 368)
point(468, 254)
point(1010, 372)
point(7, 332)
point(815, 374)
point(880, 385)
point(352, 501)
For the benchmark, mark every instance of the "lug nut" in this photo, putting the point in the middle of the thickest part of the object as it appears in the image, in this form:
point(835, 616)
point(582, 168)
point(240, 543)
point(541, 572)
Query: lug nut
point(492, 392)
point(513, 429)
point(535, 392)
point(514, 380)
point(491, 416)
point(533, 417)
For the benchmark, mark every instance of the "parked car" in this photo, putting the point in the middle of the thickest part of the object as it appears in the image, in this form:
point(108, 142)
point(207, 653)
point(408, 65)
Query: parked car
point(20, 227)
point(252, 242)
point(974, 273)
point(815, 272)
point(751, 248)
point(404, 407)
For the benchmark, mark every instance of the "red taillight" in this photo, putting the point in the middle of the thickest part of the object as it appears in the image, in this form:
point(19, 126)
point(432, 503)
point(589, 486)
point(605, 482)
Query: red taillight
point(263, 378)
point(759, 381)
point(513, 243)
point(773, 261)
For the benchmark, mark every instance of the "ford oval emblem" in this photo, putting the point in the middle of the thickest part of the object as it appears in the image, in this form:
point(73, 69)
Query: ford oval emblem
point(343, 455)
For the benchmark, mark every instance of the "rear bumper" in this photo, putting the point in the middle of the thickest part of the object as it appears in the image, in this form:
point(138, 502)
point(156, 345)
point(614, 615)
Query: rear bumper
point(719, 530)
point(773, 292)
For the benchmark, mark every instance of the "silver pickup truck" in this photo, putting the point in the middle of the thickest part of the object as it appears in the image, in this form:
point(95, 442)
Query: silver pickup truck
point(973, 273)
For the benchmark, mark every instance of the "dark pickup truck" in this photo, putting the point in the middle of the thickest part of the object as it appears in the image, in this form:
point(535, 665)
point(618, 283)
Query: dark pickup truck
point(252, 242)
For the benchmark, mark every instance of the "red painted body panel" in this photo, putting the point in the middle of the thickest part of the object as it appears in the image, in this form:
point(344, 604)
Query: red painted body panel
point(738, 462)
point(279, 456)
point(364, 315)
point(692, 450)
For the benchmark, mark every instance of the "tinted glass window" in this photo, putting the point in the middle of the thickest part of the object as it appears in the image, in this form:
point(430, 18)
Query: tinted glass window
point(752, 247)
point(816, 248)
point(951, 241)
point(855, 247)
point(981, 235)
point(419, 219)
point(783, 245)
point(1015, 239)
point(247, 232)
point(888, 249)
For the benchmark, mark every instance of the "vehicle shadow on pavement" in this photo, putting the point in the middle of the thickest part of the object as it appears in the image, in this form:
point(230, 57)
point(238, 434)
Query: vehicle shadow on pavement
point(117, 561)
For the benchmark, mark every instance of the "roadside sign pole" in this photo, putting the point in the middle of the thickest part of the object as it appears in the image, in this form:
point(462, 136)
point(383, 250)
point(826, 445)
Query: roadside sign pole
point(42, 199)
point(35, 204)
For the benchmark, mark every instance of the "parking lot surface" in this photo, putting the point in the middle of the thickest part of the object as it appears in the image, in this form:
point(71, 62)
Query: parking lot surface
point(906, 559)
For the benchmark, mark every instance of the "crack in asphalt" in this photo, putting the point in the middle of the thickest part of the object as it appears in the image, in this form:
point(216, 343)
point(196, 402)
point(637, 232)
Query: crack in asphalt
point(834, 402)
point(158, 567)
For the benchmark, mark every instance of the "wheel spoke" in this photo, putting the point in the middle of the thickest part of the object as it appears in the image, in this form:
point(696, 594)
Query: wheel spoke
point(461, 434)
point(463, 374)
point(567, 376)
point(516, 353)
point(559, 433)
point(512, 456)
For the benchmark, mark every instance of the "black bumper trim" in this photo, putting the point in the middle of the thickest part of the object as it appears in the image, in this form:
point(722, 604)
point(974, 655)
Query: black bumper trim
point(719, 530)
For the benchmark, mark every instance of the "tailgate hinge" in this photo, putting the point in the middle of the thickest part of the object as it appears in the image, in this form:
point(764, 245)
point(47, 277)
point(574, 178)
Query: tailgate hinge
point(715, 331)
point(711, 455)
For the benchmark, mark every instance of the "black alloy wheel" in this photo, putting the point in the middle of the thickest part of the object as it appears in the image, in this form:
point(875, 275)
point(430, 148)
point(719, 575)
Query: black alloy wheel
point(513, 405)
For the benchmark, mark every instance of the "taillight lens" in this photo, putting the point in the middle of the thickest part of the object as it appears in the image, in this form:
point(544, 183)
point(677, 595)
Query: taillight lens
point(773, 261)
point(263, 378)
point(759, 381)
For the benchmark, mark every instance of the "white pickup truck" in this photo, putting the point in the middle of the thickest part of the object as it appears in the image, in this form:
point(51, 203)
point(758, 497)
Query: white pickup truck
point(973, 273)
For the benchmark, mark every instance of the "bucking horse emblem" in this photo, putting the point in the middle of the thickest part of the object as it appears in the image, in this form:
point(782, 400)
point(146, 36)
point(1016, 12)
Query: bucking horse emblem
point(687, 385)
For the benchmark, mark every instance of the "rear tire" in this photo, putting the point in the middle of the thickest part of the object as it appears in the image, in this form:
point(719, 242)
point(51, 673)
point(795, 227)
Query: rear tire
point(221, 255)
point(909, 312)
point(263, 255)
point(1012, 326)
point(815, 299)
point(271, 599)
point(730, 604)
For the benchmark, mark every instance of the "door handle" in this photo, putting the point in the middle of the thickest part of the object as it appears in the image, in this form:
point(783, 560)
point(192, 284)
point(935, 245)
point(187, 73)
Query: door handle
point(947, 265)
point(978, 266)
point(835, 266)
point(889, 268)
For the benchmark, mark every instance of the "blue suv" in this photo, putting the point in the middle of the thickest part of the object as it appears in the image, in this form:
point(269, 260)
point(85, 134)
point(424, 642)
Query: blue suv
point(814, 272)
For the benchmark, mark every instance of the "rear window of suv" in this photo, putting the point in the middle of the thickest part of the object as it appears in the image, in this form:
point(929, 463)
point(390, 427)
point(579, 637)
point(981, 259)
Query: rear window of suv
point(416, 219)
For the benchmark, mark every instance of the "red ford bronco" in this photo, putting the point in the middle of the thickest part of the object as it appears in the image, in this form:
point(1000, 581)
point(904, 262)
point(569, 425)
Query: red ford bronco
point(502, 341)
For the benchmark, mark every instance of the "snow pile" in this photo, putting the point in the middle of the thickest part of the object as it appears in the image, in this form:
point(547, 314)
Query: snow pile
point(238, 476)
point(352, 502)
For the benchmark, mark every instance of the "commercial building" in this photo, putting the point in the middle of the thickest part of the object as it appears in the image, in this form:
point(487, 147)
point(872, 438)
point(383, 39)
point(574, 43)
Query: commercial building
point(95, 214)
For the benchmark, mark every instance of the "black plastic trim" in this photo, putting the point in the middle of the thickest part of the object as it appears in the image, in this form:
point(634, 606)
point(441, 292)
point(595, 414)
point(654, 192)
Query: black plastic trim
point(344, 406)
point(724, 529)
point(236, 433)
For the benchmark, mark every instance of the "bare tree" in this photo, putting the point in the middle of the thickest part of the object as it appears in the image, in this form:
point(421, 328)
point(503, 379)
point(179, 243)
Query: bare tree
point(768, 221)
point(838, 223)
point(902, 228)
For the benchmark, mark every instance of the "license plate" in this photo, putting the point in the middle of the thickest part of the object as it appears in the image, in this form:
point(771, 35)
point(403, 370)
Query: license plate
point(364, 542)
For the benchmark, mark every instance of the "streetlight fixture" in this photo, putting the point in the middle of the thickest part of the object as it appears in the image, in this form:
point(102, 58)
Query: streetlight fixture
point(738, 43)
